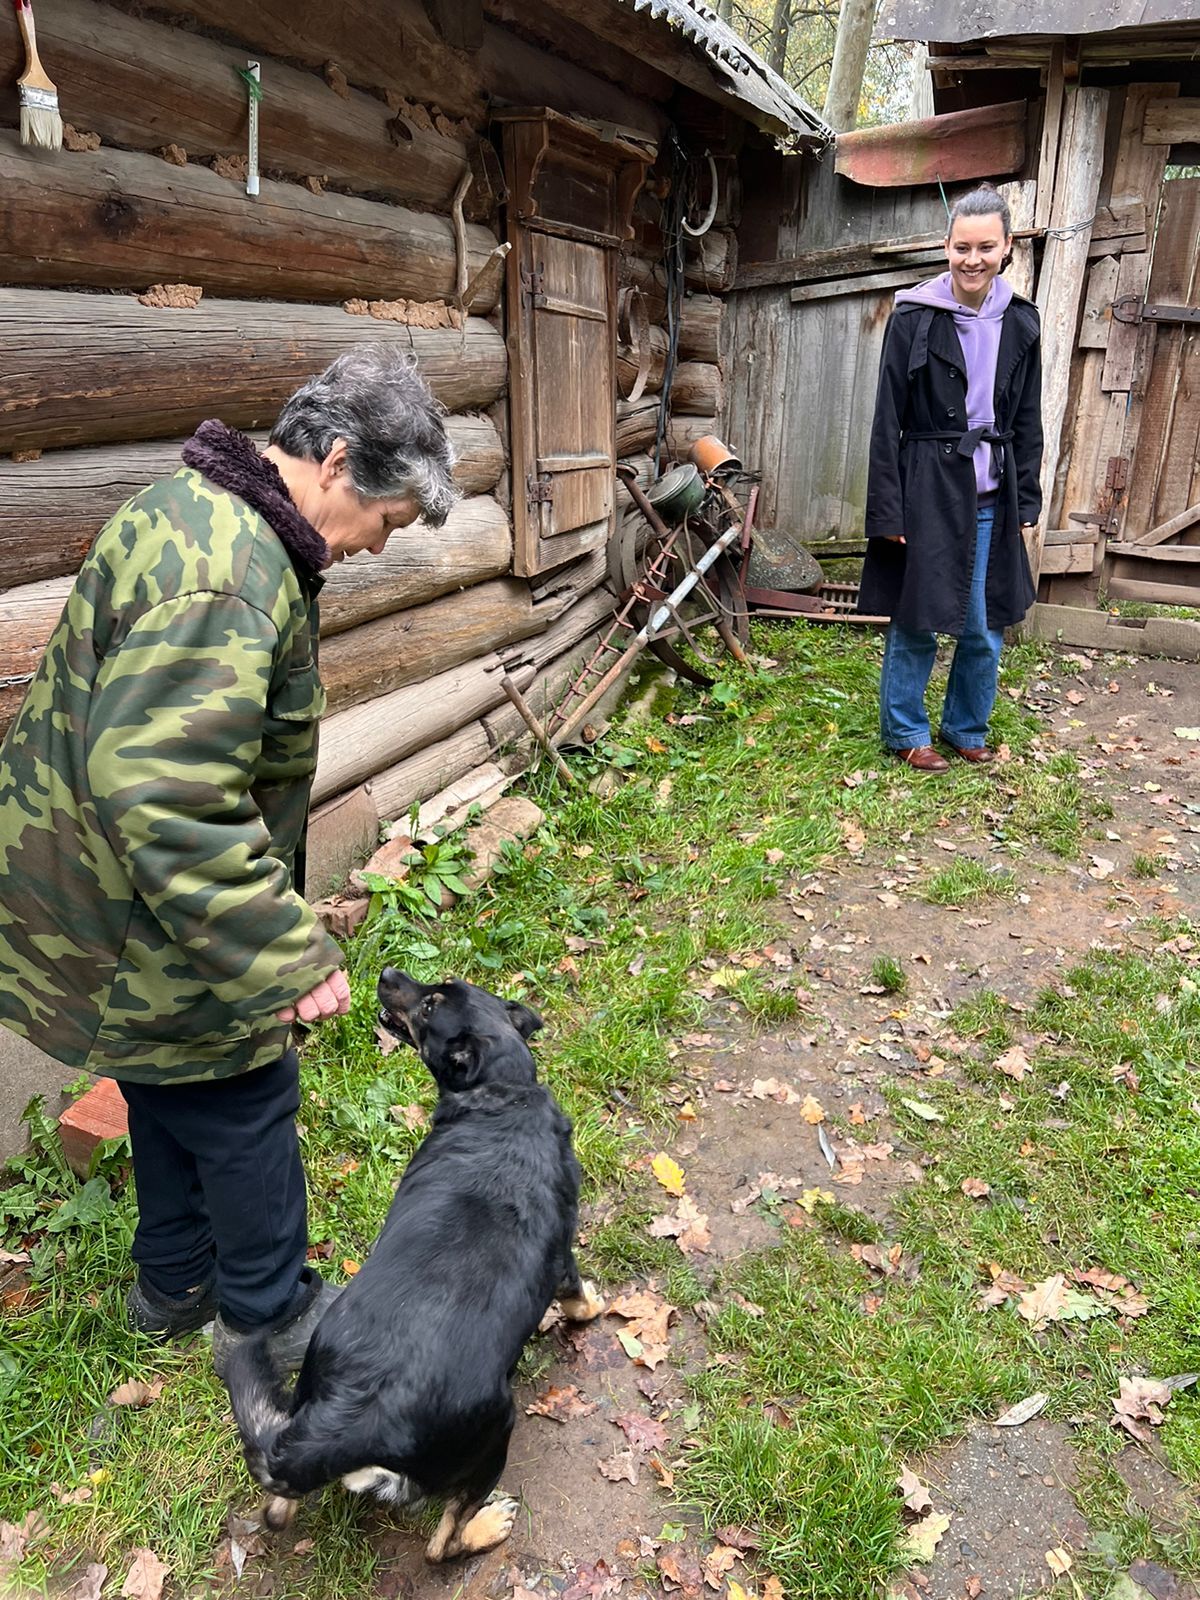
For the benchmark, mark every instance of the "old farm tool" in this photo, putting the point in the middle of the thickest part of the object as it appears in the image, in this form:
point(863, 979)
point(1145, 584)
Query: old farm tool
point(673, 575)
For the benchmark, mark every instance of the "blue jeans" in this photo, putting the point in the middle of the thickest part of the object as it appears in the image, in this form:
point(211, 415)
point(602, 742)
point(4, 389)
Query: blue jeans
point(971, 691)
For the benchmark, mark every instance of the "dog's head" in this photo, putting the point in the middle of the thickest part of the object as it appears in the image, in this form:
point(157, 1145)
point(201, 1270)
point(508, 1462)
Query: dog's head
point(465, 1036)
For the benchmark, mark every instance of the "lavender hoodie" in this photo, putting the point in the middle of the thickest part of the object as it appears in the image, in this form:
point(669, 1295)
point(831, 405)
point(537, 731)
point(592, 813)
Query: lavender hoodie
point(979, 334)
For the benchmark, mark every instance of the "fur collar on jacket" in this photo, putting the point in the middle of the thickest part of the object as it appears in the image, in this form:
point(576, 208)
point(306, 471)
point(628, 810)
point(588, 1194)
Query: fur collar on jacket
point(229, 459)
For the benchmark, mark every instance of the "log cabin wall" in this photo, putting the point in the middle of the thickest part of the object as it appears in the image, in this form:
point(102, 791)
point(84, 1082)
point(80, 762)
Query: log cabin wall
point(365, 133)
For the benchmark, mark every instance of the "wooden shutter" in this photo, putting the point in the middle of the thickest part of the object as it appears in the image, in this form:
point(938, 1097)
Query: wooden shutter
point(569, 193)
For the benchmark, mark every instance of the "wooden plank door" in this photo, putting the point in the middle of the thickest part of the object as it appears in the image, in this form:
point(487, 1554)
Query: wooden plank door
point(1158, 555)
point(570, 291)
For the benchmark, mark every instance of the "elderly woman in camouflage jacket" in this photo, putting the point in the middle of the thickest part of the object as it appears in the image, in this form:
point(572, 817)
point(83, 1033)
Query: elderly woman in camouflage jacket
point(153, 796)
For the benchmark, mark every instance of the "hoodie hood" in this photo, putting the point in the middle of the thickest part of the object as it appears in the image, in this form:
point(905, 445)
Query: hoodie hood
point(939, 292)
point(979, 335)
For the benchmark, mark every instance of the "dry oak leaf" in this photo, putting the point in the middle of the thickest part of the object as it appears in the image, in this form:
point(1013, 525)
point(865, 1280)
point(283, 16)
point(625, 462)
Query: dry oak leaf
point(669, 1173)
point(1044, 1302)
point(773, 1089)
point(89, 1583)
point(1059, 1561)
point(620, 1467)
point(136, 1393)
point(1140, 1398)
point(975, 1188)
point(144, 1580)
point(666, 1478)
point(644, 1337)
point(592, 1583)
point(679, 1569)
point(643, 1433)
point(973, 1587)
point(885, 1260)
point(560, 1403)
point(14, 1536)
point(812, 1110)
point(739, 1537)
point(916, 1496)
point(923, 1537)
point(688, 1227)
point(1013, 1063)
point(717, 1563)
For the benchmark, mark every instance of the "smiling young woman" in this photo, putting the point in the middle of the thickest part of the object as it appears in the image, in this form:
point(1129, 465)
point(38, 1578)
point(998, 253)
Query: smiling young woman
point(953, 482)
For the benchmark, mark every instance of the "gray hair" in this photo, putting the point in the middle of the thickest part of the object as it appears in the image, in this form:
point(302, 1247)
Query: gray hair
point(981, 202)
point(374, 398)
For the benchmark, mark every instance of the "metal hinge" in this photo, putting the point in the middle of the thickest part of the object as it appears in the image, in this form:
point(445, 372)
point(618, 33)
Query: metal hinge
point(539, 491)
point(1129, 308)
point(533, 284)
point(1116, 476)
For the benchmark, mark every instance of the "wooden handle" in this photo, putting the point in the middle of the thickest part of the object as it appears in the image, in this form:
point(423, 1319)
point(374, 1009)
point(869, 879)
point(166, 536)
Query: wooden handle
point(34, 73)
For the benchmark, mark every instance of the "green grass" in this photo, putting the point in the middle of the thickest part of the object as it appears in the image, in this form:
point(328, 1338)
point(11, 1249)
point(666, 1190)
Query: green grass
point(966, 880)
point(633, 916)
point(1105, 1178)
point(888, 974)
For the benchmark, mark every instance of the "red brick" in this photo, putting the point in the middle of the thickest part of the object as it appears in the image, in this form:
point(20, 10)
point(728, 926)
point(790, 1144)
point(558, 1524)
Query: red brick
point(97, 1115)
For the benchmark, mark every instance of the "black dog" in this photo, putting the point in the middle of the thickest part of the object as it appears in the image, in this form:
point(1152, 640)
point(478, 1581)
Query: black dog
point(406, 1388)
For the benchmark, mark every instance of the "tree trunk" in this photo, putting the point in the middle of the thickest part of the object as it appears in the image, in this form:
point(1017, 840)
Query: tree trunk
point(144, 86)
point(87, 369)
point(52, 508)
point(122, 220)
point(781, 27)
point(411, 646)
point(855, 21)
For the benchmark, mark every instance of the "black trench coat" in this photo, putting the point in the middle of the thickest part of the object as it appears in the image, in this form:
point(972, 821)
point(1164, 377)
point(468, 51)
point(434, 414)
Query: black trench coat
point(924, 488)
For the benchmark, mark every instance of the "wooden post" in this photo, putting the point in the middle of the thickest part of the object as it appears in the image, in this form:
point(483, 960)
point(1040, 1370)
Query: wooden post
point(1064, 265)
point(850, 48)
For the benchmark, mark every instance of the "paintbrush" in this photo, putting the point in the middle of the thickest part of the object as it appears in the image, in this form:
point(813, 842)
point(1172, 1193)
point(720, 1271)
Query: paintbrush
point(41, 124)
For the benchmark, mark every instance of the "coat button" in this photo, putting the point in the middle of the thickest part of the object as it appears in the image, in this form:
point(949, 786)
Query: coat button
point(954, 372)
point(950, 411)
point(947, 449)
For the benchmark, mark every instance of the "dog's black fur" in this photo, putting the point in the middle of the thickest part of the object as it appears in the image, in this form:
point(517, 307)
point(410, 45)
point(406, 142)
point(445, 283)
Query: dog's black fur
point(410, 1369)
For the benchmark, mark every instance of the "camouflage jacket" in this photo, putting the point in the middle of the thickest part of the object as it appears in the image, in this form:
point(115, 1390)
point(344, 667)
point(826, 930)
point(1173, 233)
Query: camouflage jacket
point(154, 787)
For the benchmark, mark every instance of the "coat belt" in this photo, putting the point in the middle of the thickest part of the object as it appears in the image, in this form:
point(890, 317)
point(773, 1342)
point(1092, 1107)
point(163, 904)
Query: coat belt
point(968, 440)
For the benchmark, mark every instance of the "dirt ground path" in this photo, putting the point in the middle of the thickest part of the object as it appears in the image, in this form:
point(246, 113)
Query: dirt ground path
point(585, 1529)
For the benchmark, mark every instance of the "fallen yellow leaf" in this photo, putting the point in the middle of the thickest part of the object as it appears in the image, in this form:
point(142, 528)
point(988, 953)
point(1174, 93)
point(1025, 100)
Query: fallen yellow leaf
point(350, 1267)
point(669, 1173)
point(812, 1110)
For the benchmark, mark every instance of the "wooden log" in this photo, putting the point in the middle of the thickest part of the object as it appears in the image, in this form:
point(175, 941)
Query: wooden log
point(1162, 594)
point(1052, 115)
point(1060, 283)
point(87, 369)
point(504, 726)
point(843, 260)
point(643, 465)
point(125, 220)
point(474, 545)
point(52, 508)
point(406, 783)
point(682, 433)
point(594, 611)
point(357, 743)
point(700, 327)
point(637, 424)
point(1168, 529)
point(144, 86)
point(711, 265)
point(697, 389)
point(655, 357)
point(897, 278)
point(404, 57)
point(980, 143)
point(418, 565)
point(409, 646)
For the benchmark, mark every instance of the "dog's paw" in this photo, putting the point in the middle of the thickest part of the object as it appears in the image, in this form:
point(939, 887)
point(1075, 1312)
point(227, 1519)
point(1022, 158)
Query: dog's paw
point(279, 1513)
point(490, 1526)
point(585, 1305)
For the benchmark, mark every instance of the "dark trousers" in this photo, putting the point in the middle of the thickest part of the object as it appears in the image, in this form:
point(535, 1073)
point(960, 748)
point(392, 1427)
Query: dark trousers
point(220, 1186)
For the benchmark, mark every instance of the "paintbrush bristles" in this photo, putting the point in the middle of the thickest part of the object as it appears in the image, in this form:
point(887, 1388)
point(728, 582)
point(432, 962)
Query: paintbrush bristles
point(41, 122)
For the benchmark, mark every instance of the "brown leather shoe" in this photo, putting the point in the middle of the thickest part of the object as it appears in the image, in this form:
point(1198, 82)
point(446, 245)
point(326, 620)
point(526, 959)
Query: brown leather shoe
point(923, 758)
point(980, 756)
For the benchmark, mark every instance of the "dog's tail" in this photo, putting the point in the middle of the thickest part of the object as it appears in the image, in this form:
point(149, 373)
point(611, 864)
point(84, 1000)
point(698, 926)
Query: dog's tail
point(262, 1406)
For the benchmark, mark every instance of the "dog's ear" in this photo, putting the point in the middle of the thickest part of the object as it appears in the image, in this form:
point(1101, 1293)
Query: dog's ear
point(463, 1061)
point(525, 1020)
